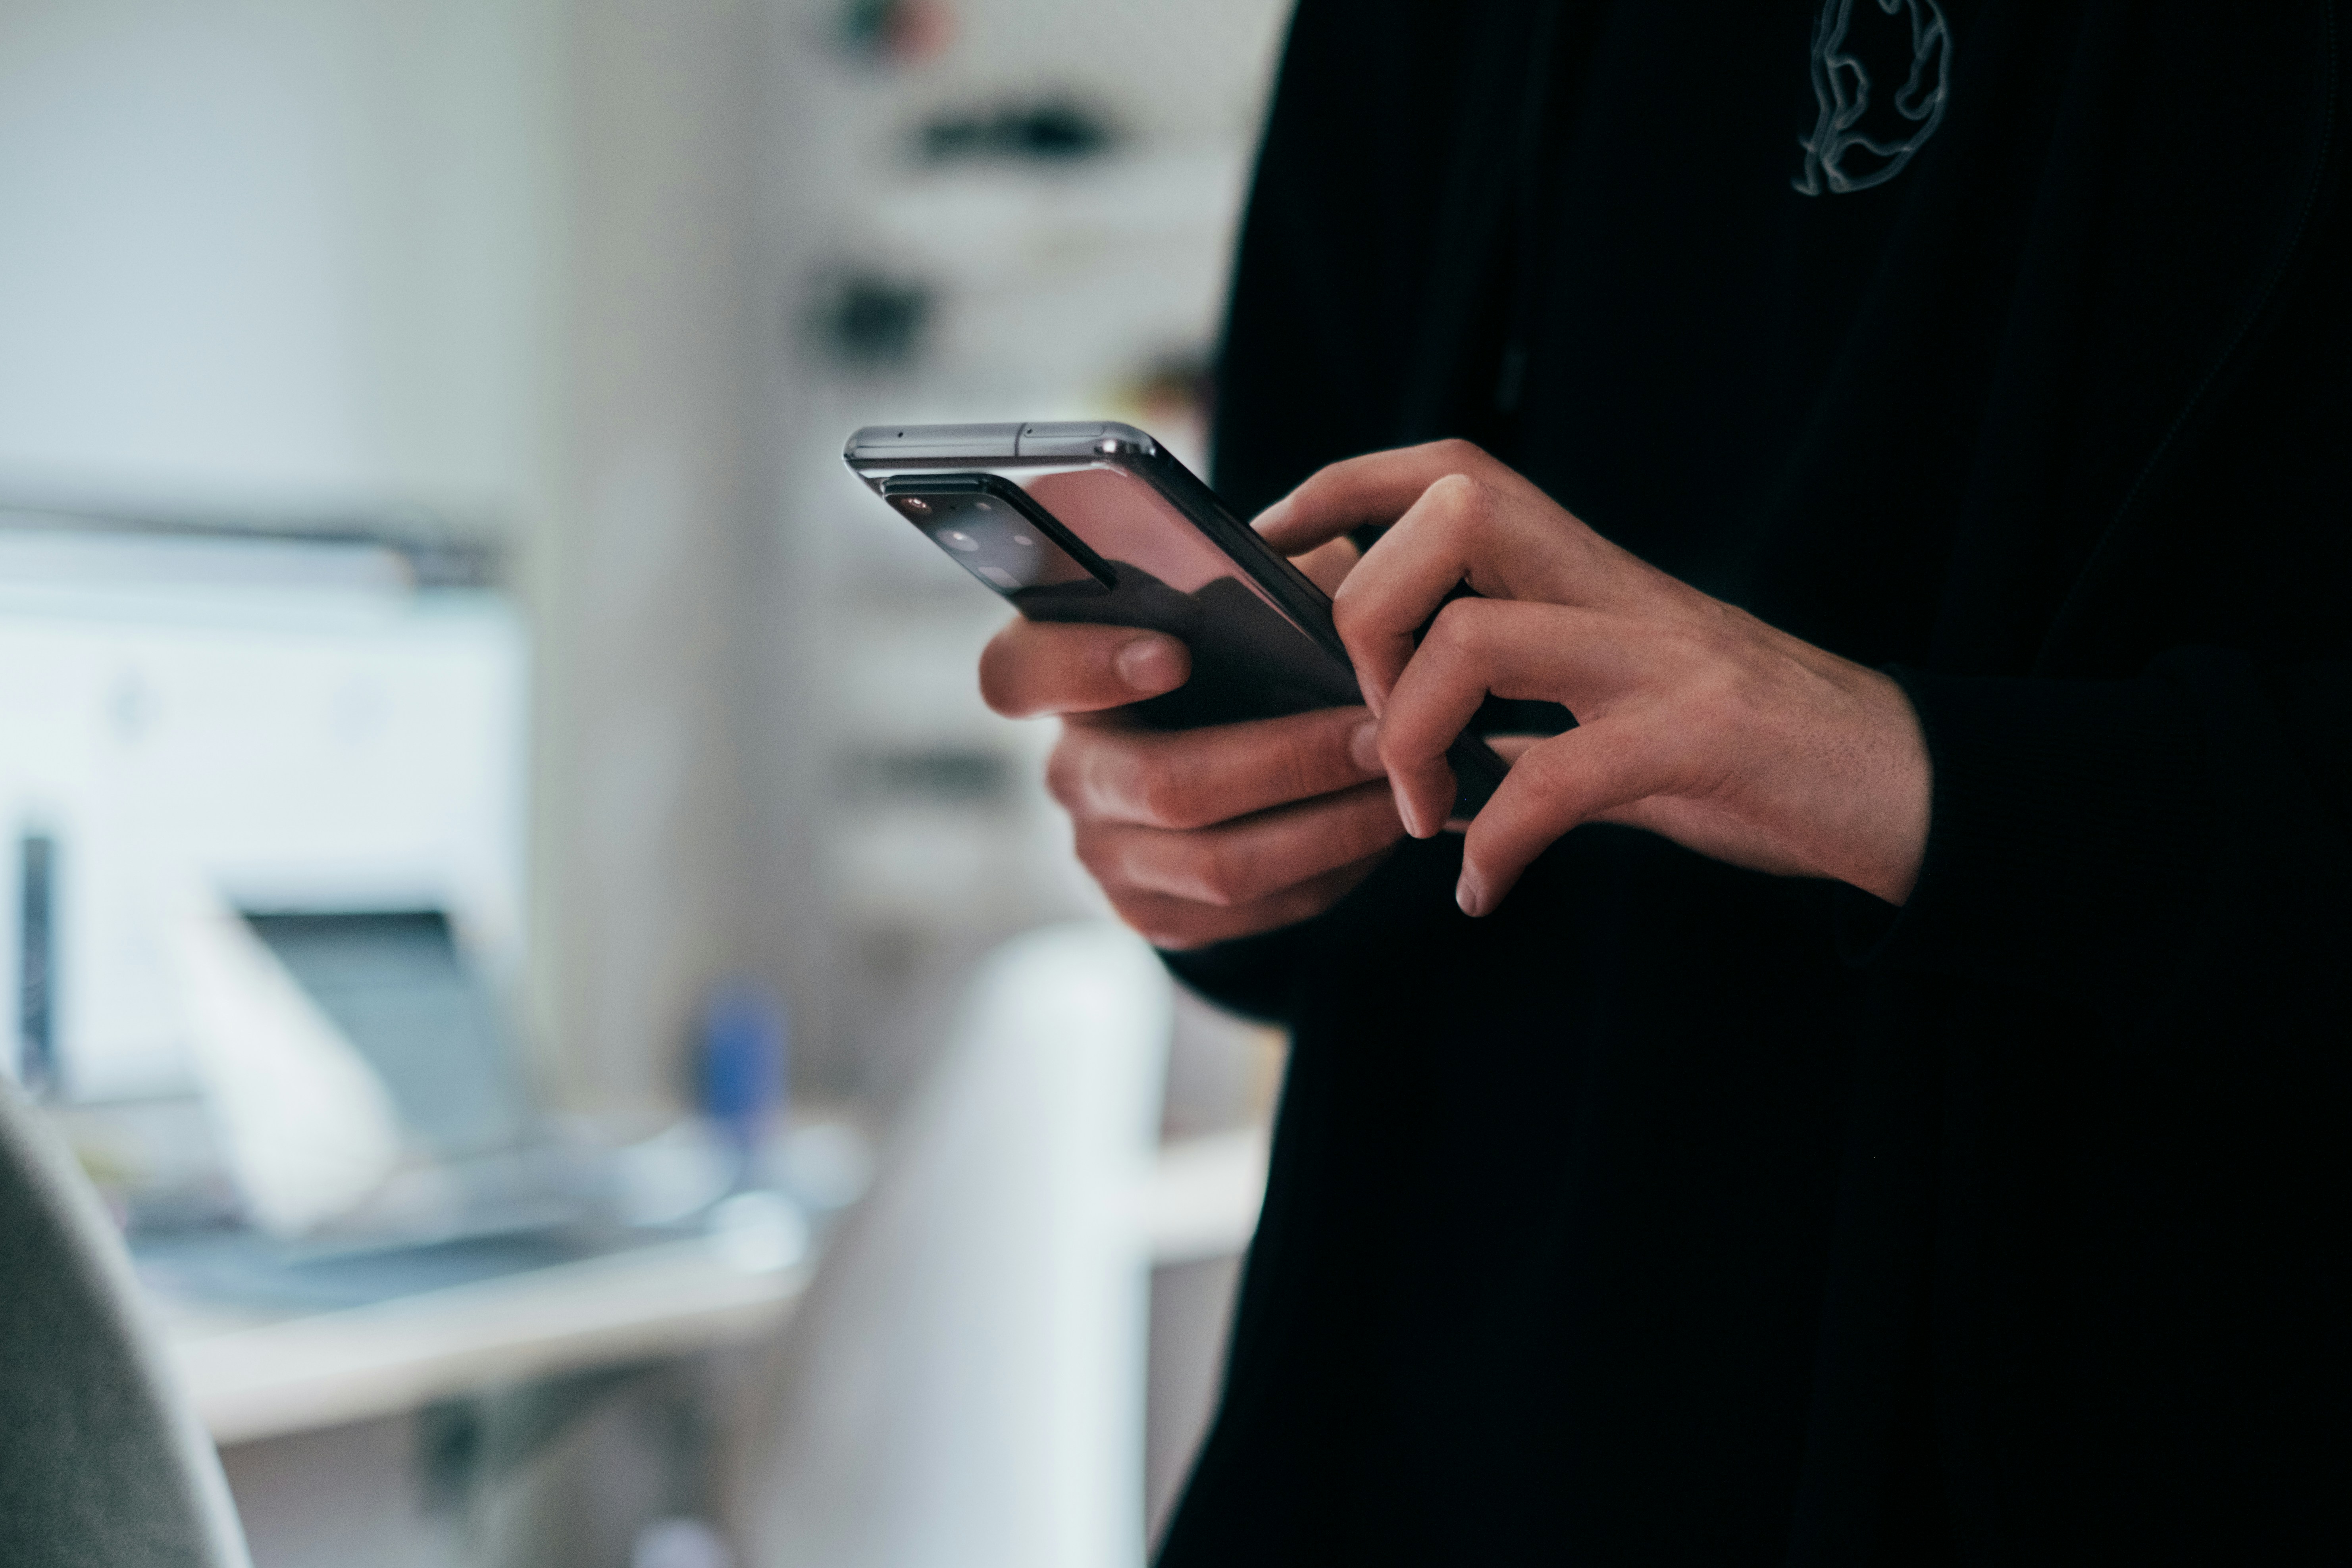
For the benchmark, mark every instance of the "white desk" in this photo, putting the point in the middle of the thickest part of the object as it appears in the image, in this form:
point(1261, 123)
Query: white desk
point(250, 1379)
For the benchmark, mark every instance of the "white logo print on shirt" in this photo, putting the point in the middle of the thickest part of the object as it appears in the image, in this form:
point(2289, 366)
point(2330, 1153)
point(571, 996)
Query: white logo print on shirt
point(1842, 155)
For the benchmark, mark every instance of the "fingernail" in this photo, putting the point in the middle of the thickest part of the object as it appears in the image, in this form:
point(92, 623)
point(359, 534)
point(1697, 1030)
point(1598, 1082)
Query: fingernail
point(1470, 896)
point(1272, 515)
point(1364, 746)
point(1405, 813)
point(1148, 665)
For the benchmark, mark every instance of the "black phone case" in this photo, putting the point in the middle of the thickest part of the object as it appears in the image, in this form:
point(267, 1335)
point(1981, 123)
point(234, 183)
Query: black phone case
point(1248, 661)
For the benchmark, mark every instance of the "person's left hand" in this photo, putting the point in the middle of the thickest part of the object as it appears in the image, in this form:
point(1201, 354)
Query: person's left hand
point(1694, 720)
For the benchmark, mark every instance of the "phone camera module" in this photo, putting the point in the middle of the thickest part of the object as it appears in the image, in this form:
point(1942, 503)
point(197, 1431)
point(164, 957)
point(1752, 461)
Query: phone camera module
point(959, 540)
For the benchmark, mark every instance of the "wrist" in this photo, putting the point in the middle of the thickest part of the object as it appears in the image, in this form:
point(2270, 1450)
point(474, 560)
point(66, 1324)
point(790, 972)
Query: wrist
point(1886, 835)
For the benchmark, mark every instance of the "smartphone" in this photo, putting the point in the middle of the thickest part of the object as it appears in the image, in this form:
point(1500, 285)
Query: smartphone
point(1096, 522)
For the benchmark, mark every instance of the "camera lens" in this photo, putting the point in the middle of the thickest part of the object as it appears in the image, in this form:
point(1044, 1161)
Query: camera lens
point(915, 504)
point(959, 538)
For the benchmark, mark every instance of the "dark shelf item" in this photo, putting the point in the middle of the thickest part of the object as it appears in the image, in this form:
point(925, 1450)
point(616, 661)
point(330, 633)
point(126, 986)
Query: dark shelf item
point(870, 321)
point(1047, 130)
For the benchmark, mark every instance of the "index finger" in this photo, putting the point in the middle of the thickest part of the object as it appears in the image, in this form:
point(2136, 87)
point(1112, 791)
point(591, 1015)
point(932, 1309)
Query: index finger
point(1378, 487)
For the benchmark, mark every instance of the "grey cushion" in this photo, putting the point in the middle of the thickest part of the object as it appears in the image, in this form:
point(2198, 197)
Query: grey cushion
point(102, 1465)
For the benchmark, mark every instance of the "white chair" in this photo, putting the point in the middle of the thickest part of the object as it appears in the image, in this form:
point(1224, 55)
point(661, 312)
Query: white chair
point(964, 1386)
point(102, 1465)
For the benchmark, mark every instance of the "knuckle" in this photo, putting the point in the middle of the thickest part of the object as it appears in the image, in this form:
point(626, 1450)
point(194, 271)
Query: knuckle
point(1116, 775)
point(1552, 770)
point(1700, 634)
point(1084, 766)
point(1331, 476)
point(999, 675)
point(1167, 793)
point(1461, 629)
point(1458, 454)
point(1719, 707)
point(1463, 505)
point(1098, 855)
point(1064, 769)
point(1348, 609)
point(1221, 872)
point(1302, 762)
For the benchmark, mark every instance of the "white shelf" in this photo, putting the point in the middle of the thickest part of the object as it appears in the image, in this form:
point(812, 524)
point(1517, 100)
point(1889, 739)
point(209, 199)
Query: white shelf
point(996, 226)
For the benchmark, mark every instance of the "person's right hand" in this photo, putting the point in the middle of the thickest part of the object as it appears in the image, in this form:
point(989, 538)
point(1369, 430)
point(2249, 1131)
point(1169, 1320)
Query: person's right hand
point(1197, 835)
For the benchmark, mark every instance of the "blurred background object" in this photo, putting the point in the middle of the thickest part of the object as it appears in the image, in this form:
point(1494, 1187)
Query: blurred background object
point(1000, 1266)
point(499, 821)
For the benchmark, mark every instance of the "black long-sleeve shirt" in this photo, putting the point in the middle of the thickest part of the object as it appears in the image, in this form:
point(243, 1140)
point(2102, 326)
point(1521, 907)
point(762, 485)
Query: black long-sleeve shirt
point(1680, 1214)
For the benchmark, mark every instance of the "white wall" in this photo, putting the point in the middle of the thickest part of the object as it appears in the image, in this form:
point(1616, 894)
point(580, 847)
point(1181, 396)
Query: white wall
point(260, 250)
point(669, 342)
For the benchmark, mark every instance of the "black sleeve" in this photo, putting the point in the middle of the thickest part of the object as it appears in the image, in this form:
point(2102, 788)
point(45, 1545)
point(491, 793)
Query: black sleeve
point(2124, 843)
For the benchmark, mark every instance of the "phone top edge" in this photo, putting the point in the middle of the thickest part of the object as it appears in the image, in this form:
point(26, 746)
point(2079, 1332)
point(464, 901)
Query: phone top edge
point(1090, 438)
point(1033, 441)
point(967, 443)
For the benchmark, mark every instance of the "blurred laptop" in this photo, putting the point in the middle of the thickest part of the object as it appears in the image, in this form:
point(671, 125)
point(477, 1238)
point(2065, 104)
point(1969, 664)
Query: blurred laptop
point(330, 734)
point(493, 1193)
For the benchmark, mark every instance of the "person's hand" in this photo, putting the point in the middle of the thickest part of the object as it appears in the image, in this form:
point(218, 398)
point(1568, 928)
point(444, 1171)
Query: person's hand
point(1694, 720)
point(1197, 835)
